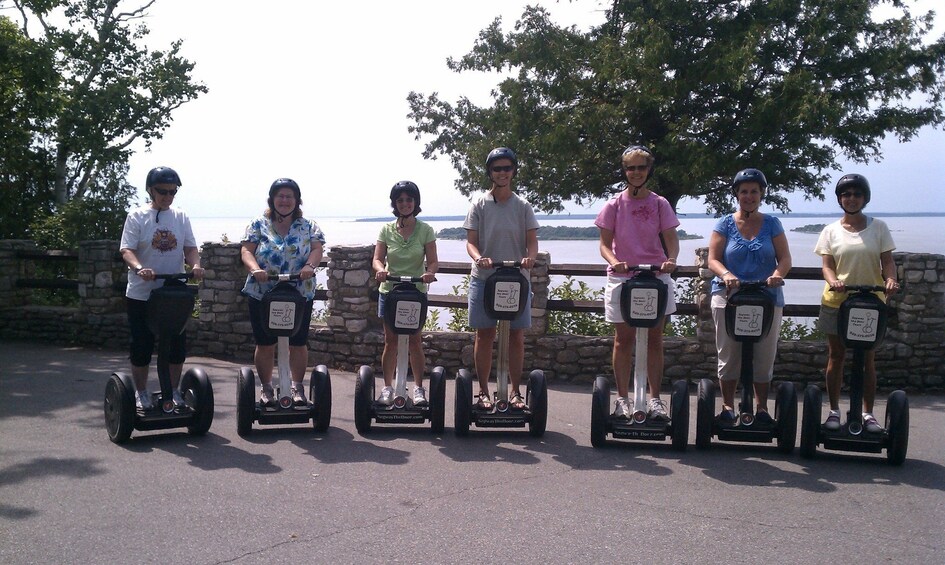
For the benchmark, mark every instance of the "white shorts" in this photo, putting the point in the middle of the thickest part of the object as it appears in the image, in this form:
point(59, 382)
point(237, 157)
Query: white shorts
point(612, 311)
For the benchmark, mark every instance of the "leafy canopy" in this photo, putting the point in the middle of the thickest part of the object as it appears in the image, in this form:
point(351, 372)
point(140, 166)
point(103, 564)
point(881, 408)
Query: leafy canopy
point(711, 86)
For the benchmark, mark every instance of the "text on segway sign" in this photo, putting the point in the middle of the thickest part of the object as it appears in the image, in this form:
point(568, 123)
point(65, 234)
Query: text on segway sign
point(862, 324)
point(748, 320)
point(643, 303)
point(507, 296)
point(407, 315)
point(281, 315)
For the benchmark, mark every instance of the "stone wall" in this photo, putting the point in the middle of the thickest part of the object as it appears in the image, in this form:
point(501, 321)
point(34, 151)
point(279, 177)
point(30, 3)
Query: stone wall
point(911, 356)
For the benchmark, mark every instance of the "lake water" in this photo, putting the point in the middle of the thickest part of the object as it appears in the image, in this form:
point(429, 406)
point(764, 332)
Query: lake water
point(918, 234)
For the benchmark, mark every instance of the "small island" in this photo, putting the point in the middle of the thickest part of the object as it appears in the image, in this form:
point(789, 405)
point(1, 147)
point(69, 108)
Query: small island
point(553, 232)
point(810, 228)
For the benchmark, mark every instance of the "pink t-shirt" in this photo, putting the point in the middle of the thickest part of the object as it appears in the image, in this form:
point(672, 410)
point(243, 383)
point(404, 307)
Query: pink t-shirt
point(637, 225)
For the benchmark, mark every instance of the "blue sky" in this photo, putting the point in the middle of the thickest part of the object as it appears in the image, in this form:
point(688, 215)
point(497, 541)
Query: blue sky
point(317, 92)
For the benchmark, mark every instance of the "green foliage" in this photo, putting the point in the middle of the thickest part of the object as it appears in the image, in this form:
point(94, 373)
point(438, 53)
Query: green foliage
point(577, 323)
point(459, 321)
point(711, 87)
point(683, 326)
point(432, 323)
point(73, 100)
point(810, 228)
point(795, 331)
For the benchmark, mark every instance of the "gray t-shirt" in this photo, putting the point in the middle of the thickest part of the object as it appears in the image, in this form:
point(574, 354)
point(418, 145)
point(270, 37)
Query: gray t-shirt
point(502, 229)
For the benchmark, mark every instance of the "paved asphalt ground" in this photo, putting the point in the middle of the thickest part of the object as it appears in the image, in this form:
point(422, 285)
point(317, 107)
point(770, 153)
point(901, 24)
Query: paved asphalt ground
point(68, 495)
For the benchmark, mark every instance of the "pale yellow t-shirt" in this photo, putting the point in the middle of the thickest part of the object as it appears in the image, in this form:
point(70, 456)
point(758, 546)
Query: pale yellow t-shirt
point(857, 256)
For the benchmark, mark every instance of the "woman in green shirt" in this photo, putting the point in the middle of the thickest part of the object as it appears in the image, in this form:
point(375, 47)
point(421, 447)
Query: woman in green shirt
point(402, 246)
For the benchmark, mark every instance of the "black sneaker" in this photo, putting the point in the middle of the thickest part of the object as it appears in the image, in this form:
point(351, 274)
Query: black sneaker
point(764, 418)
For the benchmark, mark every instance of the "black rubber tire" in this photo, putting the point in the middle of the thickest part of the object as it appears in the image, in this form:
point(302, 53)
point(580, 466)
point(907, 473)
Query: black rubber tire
point(679, 414)
point(536, 397)
point(810, 421)
point(195, 384)
point(462, 411)
point(119, 407)
point(245, 401)
point(600, 404)
point(705, 413)
point(363, 399)
point(437, 400)
point(897, 427)
point(785, 413)
point(320, 393)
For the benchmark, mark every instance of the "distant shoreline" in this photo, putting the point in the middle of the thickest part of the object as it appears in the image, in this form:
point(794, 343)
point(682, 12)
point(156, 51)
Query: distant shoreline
point(681, 216)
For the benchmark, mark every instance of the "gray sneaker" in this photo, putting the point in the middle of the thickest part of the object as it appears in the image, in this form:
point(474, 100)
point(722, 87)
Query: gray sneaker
point(870, 423)
point(178, 399)
point(298, 395)
point(419, 396)
point(387, 396)
point(267, 396)
point(657, 409)
point(622, 408)
point(143, 400)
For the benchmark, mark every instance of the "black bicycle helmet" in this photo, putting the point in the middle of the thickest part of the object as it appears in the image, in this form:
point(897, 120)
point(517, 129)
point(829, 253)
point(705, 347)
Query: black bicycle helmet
point(855, 181)
point(501, 153)
point(283, 183)
point(749, 175)
point(162, 175)
point(411, 189)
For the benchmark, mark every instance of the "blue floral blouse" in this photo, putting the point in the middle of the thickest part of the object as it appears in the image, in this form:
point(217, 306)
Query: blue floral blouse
point(282, 255)
point(750, 260)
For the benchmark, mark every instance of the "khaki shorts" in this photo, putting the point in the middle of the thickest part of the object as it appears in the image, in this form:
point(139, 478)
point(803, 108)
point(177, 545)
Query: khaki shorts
point(828, 320)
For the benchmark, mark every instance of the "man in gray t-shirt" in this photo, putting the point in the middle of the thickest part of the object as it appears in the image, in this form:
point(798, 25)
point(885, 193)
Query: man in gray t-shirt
point(500, 226)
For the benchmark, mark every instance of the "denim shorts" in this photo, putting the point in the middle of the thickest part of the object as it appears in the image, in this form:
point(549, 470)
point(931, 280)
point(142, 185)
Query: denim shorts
point(477, 308)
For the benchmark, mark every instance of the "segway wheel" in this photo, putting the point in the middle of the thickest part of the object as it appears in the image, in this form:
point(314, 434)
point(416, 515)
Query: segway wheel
point(320, 393)
point(437, 400)
point(198, 393)
point(462, 412)
point(897, 426)
point(119, 407)
point(600, 403)
point(245, 401)
point(536, 397)
point(810, 421)
point(785, 413)
point(363, 399)
point(679, 413)
point(705, 413)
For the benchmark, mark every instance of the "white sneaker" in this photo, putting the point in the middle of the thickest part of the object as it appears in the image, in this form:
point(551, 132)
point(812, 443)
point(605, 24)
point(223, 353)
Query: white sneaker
point(387, 396)
point(143, 400)
point(622, 408)
point(870, 423)
point(657, 409)
point(419, 396)
point(833, 421)
point(178, 398)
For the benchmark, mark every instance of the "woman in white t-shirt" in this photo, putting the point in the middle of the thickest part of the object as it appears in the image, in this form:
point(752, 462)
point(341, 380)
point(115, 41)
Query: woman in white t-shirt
point(155, 240)
point(856, 250)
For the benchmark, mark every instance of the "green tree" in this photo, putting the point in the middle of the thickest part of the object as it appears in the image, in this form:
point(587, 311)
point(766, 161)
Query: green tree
point(98, 91)
point(711, 86)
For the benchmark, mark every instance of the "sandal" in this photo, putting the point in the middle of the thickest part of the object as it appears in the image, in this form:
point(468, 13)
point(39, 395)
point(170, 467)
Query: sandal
point(517, 402)
point(484, 402)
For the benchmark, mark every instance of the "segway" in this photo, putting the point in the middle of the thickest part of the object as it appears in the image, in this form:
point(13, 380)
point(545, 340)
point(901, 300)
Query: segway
point(748, 317)
point(169, 308)
point(405, 312)
point(505, 300)
point(642, 301)
point(862, 325)
point(282, 315)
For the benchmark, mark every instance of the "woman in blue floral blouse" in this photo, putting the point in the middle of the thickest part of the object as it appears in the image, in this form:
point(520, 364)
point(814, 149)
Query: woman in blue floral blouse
point(281, 241)
point(747, 246)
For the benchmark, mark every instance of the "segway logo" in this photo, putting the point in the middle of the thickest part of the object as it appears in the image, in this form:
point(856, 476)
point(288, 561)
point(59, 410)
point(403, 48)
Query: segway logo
point(407, 315)
point(507, 296)
point(862, 324)
point(643, 303)
point(281, 315)
point(748, 320)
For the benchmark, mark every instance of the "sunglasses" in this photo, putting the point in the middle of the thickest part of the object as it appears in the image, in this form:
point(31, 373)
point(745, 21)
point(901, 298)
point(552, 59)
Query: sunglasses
point(502, 169)
point(631, 168)
point(851, 195)
point(165, 192)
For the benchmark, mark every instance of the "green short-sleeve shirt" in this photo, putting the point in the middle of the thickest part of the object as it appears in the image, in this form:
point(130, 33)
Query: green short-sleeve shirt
point(405, 256)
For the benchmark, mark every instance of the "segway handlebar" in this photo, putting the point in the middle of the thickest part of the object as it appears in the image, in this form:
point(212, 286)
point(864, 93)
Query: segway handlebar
point(863, 288)
point(753, 284)
point(178, 276)
point(648, 268)
point(282, 277)
point(506, 264)
point(406, 279)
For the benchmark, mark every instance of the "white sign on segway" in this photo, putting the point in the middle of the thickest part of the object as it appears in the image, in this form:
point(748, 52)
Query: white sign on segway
point(507, 296)
point(407, 315)
point(748, 320)
point(862, 324)
point(281, 315)
point(643, 303)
